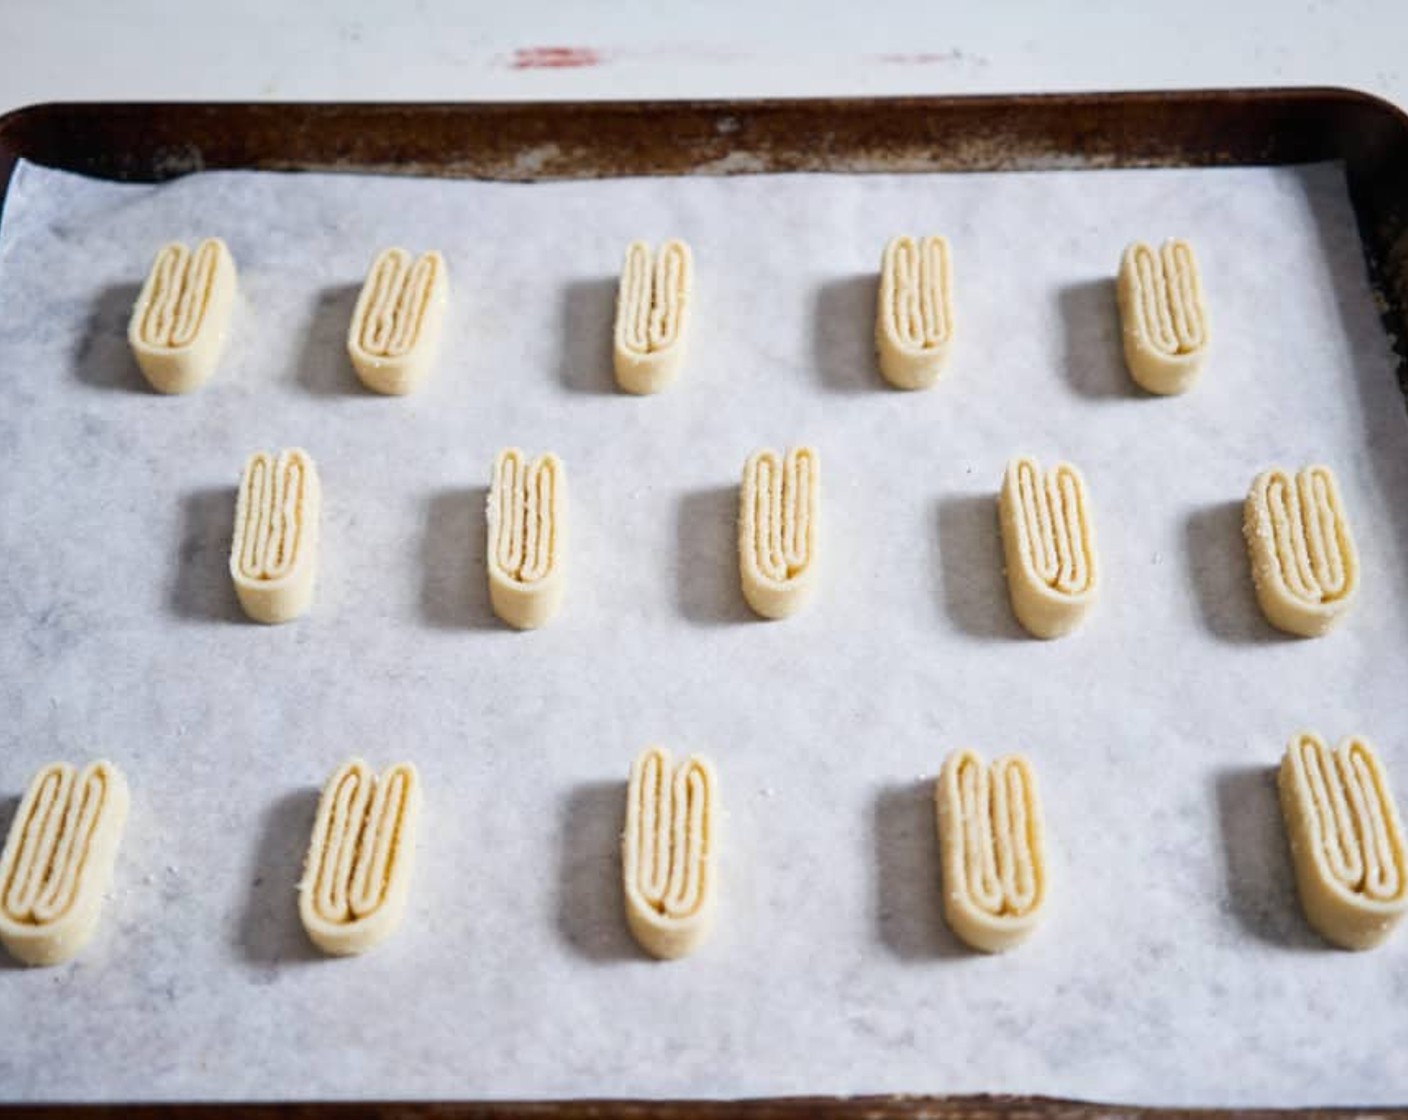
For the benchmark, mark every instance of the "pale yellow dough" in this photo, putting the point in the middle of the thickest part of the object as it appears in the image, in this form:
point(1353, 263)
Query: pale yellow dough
point(1346, 840)
point(667, 852)
point(1165, 322)
point(182, 316)
point(992, 849)
point(914, 311)
point(1048, 542)
point(527, 537)
point(58, 860)
point(274, 550)
point(1304, 562)
point(357, 874)
point(653, 307)
point(777, 529)
point(395, 330)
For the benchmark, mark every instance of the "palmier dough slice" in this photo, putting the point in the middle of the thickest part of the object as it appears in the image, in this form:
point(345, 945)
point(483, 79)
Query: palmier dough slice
point(914, 311)
point(1304, 562)
point(1161, 308)
point(274, 553)
point(1346, 840)
point(58, 860)
point(777, 529)
point(395, 330)
point(357, 874)
point(991, 849)
point(182, 315)
point(527, 537)
point(652, 315)
point(667, 852)
point(1048, 543)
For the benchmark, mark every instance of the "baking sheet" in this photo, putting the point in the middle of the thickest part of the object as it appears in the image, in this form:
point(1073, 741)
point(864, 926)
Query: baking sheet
point(1174, 965)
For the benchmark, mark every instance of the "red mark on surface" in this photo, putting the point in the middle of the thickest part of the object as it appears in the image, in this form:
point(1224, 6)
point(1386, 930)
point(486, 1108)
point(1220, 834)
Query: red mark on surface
point(923, 58)
point(555, 58)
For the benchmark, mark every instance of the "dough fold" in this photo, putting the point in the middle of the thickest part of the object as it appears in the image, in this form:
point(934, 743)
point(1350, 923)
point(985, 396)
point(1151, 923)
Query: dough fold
point(274, 550)
point(667, 852)
point(1165, 322)
point(777, 529)
point(58, 860)
point(1048, 543)
point(394, 335)
point(992, 850)
point(1346, 840)
point(357, 874)
point(653, 309)
point(914, 311)
point(527, 537)
point(181, 318)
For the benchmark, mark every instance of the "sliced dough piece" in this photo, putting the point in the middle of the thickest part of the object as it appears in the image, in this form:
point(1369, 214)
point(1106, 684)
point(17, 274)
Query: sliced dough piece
point(182, 316)
point(1346, 840)
point(667, 852)
point(777, 529)
point(357, 874)
point(1165, 322)
point(274, 553)
point(58, 860)
point(914, 311)
point(527, 537)
point(652, 315)
point(1304, 563)
point(1049, 544)
point(992, 849)
point(395, 330)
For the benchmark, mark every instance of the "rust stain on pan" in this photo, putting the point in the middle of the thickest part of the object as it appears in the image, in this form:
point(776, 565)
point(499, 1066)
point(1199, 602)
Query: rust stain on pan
point(603, 139)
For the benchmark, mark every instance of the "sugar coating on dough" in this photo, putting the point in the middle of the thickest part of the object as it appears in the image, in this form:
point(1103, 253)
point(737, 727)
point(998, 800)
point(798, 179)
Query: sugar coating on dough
point(667, 852)
point(395, 330)
point(274, 550)
point(1304, 562)
point(991, 849)
point(182, 315)
point(652, 315)
point(1048, 542)
point(357, 874)
point(1161, 308)
point(1346, 840)
point(777, 529)
point(58, 860)
point(914, 311)
point(527, 537)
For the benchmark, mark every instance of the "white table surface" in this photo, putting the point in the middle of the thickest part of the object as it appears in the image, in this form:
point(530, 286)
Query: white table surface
point(452, 50)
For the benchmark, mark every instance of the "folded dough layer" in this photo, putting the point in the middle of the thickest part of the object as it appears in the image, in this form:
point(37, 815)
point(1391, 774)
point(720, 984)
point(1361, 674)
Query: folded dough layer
point(991, 849)
point(652, 315)
point(1161, 308)
point(777, 529)
point(274, 552)
point(357, 874)
point(182, 315)
point(914, 311)
point(58, 860)
point(1346, 840)
point(667, 852)
point(527, 537)
point(395, 330)
point(1048, 542)
point(1304, 562)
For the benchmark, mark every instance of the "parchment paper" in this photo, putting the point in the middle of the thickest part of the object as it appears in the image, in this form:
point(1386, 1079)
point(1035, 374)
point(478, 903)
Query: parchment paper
point(1175, 965)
